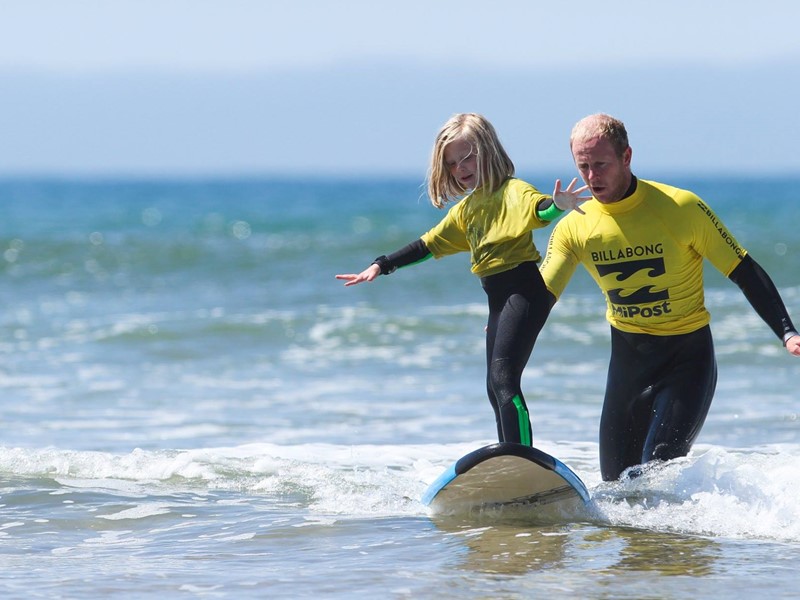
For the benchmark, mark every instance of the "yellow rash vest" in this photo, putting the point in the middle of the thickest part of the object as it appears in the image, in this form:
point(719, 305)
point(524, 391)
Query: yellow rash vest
point(646, 254)
point(496, 228)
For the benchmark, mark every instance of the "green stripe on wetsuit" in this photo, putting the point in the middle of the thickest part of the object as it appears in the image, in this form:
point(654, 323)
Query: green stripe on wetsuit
point(524, 421)
point(549, 213)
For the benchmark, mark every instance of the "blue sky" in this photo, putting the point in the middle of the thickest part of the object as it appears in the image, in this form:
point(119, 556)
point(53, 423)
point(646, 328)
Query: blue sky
point(338, 88)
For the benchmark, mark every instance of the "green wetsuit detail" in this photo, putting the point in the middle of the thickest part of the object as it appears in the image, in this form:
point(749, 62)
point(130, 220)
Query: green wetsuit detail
point(524, 422)
point(550, 212)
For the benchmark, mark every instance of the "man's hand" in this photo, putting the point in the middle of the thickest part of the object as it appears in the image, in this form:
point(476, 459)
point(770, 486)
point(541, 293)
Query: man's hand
point(793, 345)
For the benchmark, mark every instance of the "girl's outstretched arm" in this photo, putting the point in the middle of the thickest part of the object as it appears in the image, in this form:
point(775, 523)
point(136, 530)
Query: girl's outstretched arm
point(411, 254)
point(368, 274)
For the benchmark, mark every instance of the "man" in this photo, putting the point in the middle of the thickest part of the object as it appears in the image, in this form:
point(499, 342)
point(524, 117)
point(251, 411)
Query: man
point(644, 243)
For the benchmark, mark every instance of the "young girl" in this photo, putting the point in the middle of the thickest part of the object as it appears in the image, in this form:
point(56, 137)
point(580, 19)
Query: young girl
point(493, 221)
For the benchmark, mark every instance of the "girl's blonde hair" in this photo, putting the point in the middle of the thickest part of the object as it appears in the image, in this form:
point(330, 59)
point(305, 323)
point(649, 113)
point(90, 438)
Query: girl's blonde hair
point(494, 165)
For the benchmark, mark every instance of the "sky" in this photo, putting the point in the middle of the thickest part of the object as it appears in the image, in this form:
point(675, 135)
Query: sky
point(321, 88)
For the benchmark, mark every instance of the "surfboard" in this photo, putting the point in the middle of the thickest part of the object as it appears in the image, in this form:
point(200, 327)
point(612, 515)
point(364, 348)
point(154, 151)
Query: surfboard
point(507, 476)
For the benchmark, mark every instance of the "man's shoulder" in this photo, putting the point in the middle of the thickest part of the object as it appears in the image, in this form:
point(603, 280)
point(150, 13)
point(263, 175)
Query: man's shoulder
point(669, 193)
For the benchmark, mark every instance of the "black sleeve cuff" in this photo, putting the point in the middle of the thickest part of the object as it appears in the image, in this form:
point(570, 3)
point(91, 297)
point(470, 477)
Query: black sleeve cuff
point(385, 265)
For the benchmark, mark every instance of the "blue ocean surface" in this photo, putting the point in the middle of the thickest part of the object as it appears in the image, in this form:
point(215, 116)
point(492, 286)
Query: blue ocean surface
point(194, 407)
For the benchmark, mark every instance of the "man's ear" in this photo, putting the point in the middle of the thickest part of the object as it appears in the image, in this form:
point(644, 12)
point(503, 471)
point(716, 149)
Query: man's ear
point(626, 156)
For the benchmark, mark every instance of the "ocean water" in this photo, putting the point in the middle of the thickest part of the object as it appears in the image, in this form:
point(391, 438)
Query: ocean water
point(193, 407)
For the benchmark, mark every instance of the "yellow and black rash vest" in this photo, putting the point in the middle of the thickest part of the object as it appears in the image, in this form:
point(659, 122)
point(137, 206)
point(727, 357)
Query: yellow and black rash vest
point(496, 228)
point(646, 254)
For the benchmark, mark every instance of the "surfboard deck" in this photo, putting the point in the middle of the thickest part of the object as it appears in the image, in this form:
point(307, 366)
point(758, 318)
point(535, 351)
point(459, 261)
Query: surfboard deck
point(507, 476)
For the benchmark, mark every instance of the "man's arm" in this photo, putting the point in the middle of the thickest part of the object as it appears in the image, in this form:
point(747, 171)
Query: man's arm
point(764, 297)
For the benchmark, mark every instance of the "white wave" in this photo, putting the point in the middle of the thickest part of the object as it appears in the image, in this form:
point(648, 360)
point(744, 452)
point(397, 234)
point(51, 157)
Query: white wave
point(715, 492)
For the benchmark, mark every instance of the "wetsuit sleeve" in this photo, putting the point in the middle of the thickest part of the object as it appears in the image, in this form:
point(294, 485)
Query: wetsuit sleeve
point(763, 296)
point(410, 254)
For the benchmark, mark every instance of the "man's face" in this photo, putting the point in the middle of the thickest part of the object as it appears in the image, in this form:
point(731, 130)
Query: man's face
point(607, 175)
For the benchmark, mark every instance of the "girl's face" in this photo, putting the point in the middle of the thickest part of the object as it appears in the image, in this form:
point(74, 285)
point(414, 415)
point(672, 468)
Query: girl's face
point(462, 163)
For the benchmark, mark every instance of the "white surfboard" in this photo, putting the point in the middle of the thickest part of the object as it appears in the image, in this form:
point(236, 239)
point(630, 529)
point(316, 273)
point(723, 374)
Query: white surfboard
point(507, 476)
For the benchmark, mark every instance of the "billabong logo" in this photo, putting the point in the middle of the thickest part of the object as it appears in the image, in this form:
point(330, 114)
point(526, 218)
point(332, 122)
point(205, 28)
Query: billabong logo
point(623, 270)
point(630, 305)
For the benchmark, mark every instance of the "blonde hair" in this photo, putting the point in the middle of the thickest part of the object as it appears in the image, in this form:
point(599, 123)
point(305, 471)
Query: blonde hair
point(601, 125)
point(494, 166)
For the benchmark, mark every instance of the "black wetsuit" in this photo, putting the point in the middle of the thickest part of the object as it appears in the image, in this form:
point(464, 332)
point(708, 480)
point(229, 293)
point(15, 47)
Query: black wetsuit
point(496, 228)
point(658, 393)
point(659, 388)
point(518, 308)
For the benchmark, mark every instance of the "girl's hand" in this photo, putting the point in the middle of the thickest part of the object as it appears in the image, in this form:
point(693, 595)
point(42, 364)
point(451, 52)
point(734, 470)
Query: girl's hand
point(570, 198)
point(368, 274)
